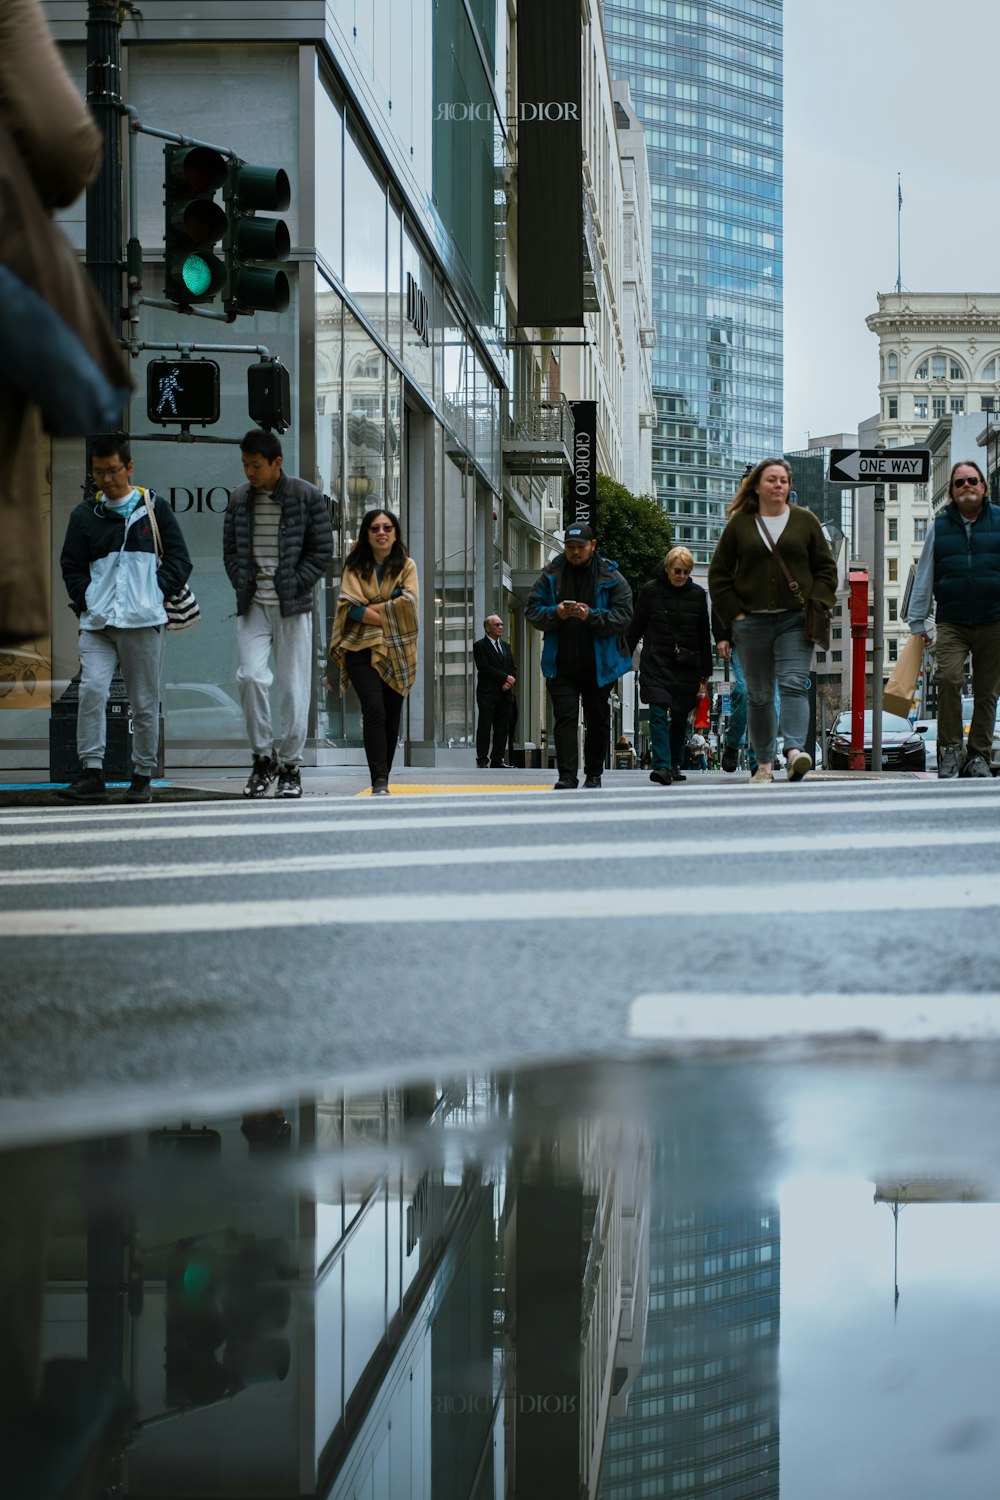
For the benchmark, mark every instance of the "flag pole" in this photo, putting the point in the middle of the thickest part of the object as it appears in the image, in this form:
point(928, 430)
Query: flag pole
point(899, 216)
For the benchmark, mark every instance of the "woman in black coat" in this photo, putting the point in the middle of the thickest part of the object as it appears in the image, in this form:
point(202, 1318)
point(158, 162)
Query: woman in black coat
point(671, 620)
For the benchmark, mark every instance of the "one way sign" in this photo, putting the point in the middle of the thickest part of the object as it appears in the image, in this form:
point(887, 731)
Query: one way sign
point(880, 465)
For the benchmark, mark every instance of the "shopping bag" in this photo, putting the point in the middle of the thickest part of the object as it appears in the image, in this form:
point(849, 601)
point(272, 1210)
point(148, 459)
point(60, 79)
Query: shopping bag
point(897, 697)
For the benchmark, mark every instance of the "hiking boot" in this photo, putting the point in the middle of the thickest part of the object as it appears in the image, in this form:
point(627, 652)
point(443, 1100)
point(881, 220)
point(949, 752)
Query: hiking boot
point(592, 783)
point(761, 778)
point(730, 758)
point(976, 766)
point(663, 776)
point(87, 786)
point(263, 773)
point(140, 790)
point(797, 764)
point(949, 761)
point(289, 782)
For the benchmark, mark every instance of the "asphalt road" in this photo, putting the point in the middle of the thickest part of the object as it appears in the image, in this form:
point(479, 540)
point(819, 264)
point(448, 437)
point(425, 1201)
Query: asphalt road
point(198, 947)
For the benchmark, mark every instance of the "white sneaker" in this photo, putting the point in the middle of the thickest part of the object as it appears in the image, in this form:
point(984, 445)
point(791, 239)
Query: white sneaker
point(761, 777)
point(797, 764)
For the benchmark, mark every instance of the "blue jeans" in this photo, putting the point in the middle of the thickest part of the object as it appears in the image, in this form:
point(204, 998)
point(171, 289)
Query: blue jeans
point(667, 733)
point(736, 728)
point(775, 654)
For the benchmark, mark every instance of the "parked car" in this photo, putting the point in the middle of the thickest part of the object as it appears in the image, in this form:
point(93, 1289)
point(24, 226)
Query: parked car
point(968, 704)
point(902, 744)
point(928, 727)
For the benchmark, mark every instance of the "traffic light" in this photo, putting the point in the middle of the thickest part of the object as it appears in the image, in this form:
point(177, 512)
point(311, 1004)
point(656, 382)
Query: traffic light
point(224, 1307)
point(269, 399)
point(193, 223)
point(250, 243)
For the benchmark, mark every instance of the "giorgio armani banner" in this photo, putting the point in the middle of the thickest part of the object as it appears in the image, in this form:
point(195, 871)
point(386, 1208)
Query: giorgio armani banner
point(583, 487)
point(549, 165)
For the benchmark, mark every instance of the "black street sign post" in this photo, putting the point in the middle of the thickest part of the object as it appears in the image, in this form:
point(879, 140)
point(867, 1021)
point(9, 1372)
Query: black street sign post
point(880, 465)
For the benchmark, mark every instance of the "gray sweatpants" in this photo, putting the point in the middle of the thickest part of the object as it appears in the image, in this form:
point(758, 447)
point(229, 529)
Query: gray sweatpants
point(140, 653)
point(262, 629)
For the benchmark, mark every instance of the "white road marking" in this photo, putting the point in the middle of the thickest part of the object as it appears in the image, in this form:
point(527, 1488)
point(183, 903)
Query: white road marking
point(757, 805)
point(815, 898)
point(550, 853)
point(703, 1017)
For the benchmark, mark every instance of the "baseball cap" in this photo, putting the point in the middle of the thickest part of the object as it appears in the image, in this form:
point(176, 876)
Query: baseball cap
point(580, 533)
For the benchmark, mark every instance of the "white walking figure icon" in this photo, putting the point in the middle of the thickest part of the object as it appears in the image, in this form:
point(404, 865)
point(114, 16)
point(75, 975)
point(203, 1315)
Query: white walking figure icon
point(169, 387)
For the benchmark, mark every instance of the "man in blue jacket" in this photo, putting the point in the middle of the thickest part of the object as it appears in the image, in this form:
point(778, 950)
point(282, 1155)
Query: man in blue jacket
point(117, 584)
point(583, 605)
point(960, 567)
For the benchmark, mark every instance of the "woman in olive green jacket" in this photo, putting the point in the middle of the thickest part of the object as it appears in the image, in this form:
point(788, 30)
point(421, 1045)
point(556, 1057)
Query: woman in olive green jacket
point(752, 598)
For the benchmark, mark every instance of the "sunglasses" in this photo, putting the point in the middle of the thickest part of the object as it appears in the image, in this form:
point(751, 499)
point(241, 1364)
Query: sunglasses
point(964, 479)
point(382, 528)
point(685, 571)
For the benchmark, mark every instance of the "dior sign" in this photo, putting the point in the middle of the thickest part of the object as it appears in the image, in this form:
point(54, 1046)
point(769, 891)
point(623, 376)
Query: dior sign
point(458, 112)
point(543, 110)
point(418, 308)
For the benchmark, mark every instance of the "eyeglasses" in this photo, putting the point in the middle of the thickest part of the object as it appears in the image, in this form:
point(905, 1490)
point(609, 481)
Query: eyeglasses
point(108, 473)
point(964, 479)
point(382, 528)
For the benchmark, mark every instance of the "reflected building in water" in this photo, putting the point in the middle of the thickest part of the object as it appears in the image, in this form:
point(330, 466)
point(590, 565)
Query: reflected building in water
point(703, 1418)
point(417, 1293)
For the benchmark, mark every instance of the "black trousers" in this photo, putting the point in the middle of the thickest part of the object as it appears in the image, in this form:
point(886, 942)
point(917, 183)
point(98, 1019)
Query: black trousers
point(381, 711)
point(566, 692)
point(494, 721)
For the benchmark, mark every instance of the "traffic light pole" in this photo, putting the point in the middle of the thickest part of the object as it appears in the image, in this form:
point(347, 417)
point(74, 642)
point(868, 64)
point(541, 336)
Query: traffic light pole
point(104, 204)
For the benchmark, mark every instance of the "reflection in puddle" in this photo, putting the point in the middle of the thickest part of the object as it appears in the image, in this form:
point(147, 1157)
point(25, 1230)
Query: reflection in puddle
point(641, 1279)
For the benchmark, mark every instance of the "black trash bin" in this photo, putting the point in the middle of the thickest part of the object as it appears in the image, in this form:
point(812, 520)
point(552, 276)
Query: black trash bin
point(63, 761)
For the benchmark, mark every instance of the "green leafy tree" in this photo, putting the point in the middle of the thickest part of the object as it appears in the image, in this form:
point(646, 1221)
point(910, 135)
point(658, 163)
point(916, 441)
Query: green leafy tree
point(631, 529)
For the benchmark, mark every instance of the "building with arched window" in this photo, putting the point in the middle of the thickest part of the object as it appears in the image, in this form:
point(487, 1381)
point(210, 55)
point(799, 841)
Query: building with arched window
point(939, 363)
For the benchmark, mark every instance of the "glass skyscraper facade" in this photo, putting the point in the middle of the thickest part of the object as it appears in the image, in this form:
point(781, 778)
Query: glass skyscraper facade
point(706, 81)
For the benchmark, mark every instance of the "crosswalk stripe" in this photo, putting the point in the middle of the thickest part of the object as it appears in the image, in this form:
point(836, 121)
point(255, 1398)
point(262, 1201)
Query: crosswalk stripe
point(756, 806)
point(595, 852)
point(704, 1016)
point(814, 898)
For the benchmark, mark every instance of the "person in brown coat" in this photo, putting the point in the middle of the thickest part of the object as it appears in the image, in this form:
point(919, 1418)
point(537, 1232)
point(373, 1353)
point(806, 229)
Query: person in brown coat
point(63, 370)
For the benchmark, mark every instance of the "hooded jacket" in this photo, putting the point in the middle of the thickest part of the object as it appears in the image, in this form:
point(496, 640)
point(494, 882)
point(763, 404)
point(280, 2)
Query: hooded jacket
point(110, 568)
point(608, 619)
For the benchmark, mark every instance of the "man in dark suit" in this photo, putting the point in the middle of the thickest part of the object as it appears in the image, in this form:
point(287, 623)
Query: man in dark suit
point(495, 679)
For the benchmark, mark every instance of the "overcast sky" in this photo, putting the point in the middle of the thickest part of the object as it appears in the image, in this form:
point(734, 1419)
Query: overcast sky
point(872, 88)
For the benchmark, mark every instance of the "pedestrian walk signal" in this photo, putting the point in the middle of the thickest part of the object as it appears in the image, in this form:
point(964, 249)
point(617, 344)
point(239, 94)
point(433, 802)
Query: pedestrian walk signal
point(185, 391)
point(193, 223)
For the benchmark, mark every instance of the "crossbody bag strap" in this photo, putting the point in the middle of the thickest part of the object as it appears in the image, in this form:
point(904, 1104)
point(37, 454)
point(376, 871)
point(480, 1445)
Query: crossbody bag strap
point(769, 544)
point(157, 543)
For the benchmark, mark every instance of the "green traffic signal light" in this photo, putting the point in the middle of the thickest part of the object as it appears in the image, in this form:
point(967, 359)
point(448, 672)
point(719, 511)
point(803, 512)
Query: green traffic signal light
point(193, 223)
point(252, 286)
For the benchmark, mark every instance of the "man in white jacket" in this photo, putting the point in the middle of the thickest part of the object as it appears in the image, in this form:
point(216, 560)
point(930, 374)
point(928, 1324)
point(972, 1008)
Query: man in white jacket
point(117, 586)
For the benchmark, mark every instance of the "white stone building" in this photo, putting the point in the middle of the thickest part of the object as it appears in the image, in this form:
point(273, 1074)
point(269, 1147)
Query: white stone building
point(939, 357)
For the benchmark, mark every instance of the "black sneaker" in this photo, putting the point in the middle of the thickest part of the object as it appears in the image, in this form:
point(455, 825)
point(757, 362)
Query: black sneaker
point(140, 790)
point(380, 786)
point(88, 786)
point(730, 758)
point(676, 775)
point(565, 784)
point(289, 782)
point(592, 783)
point(662, 776)
point(263, 773)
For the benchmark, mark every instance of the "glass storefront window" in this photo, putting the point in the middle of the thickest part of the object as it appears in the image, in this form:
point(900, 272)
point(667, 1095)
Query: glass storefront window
point(455, 574)
point(456, 351)
point(417, 314)
point(329, 147)
point(364, 234)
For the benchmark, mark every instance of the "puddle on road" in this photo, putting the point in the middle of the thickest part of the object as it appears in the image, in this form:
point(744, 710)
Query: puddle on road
point(642, 1279)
